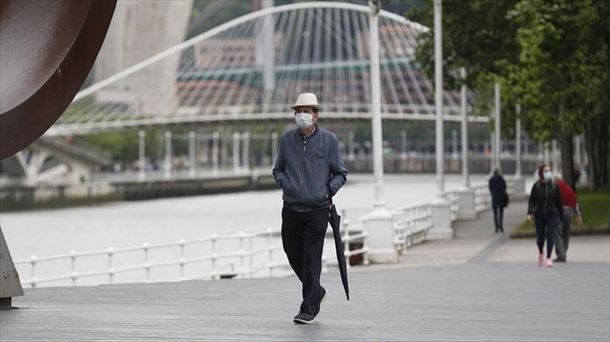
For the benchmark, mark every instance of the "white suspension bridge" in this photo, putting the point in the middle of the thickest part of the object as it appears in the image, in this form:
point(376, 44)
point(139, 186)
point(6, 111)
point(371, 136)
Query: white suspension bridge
point(253, 67)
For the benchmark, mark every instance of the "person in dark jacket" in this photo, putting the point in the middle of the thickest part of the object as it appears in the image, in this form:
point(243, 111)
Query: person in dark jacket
point(497, 187)
point(310, 171)
point(545, 209)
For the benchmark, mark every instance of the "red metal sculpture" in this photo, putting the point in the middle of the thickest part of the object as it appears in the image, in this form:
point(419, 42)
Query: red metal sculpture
point(46, 51)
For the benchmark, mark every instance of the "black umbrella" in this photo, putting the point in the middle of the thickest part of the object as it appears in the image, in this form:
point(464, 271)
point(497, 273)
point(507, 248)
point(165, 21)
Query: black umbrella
point(335, 222)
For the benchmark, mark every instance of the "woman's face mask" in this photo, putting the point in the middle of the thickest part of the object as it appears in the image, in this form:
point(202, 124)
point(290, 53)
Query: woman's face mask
point(303, 120)
point(548, 175)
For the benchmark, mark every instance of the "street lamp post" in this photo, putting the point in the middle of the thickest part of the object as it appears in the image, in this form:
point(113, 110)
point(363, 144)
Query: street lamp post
point(497, 123)
point(380, 223)
point(466, 200)
point(465, 173)
point(438, 92)
point(518, 181)
point(376, 104)
point(440, 207)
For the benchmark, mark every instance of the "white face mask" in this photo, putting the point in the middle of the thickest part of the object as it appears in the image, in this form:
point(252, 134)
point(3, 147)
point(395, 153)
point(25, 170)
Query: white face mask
point(548, 175)
point(303, 120)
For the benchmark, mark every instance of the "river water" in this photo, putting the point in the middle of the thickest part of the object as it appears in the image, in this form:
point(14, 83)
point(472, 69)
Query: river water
point(124, 224)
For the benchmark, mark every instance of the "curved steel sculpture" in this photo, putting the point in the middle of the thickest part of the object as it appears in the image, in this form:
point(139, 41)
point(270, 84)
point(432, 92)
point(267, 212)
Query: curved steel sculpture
point(46, 51)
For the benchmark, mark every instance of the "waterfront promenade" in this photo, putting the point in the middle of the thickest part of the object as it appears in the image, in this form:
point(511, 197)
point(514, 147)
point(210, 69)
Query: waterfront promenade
point(478, 286)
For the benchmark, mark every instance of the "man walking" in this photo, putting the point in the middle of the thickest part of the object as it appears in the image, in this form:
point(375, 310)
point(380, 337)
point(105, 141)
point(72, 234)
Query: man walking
point(310, 170)
point(570, 207)
point(497, 187)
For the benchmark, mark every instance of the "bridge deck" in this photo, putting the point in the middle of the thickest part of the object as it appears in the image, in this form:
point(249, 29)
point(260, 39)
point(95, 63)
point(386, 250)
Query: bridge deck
point(486, 296)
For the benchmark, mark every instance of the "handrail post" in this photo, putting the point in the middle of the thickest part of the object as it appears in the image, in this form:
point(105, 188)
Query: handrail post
point(74, 275)
point(33, 263)
point(365, 247)
point(270, 260)
point(214, 255)
point(146, 263)
point(181, 243)
point(251, 250)
point(242, 259)
point(110, 252)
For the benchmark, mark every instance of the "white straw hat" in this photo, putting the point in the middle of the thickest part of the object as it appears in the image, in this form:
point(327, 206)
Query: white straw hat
point(307, 99)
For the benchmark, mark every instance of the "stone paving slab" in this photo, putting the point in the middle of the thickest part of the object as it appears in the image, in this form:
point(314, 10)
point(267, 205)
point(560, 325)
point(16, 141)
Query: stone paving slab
point(479, 286)
point(488, 301)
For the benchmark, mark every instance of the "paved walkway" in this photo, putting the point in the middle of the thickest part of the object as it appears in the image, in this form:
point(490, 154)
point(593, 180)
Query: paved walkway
point(479, 286)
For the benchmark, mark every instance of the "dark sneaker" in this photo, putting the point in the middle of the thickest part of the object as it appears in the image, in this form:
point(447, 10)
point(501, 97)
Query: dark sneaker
point(322, 295)
point(303, 318)
point(560, 259)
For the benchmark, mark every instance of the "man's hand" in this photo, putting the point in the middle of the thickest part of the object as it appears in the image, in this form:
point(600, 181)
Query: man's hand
point(578, 220)
point(529, 217)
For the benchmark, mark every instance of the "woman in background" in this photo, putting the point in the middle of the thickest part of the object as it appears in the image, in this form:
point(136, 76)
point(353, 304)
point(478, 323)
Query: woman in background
point(545, 209)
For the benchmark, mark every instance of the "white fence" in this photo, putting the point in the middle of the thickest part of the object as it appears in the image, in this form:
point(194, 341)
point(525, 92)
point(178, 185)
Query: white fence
point(246, 261)
point(257, 254)
point(411, 223)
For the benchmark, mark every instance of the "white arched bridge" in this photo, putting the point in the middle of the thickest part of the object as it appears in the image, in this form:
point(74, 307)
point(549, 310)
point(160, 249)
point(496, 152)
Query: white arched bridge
point(253, 67)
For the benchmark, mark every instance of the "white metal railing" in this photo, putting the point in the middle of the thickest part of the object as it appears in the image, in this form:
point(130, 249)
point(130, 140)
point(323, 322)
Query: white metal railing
point(357, 238)
point(411, 224)
point(482, 198)
point(245, 256)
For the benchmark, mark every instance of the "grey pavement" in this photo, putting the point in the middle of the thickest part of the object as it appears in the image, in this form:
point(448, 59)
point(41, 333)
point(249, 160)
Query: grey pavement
point(476, 287)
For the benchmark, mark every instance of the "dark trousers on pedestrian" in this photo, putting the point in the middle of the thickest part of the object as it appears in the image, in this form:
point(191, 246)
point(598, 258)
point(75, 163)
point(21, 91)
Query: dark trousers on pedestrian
point(562, 234)
point(303, 236)
point(545, 228)
point(498, 209)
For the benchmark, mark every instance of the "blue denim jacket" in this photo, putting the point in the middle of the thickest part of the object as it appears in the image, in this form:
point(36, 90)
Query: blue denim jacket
point(309, 171)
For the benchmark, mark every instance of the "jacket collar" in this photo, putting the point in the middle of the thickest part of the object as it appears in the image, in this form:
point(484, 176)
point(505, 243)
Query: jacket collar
point(303, 136)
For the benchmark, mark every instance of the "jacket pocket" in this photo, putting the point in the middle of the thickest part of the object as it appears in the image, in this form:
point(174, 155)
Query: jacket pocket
point(290, 195)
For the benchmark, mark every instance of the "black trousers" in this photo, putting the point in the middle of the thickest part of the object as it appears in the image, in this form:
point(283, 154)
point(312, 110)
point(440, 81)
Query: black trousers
point(303, 239)
point(545, 227)
point(498, 210)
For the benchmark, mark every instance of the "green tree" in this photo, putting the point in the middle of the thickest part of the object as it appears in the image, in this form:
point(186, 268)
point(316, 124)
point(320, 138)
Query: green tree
point(551, 56)
point(559, 77)
point(478, 36)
